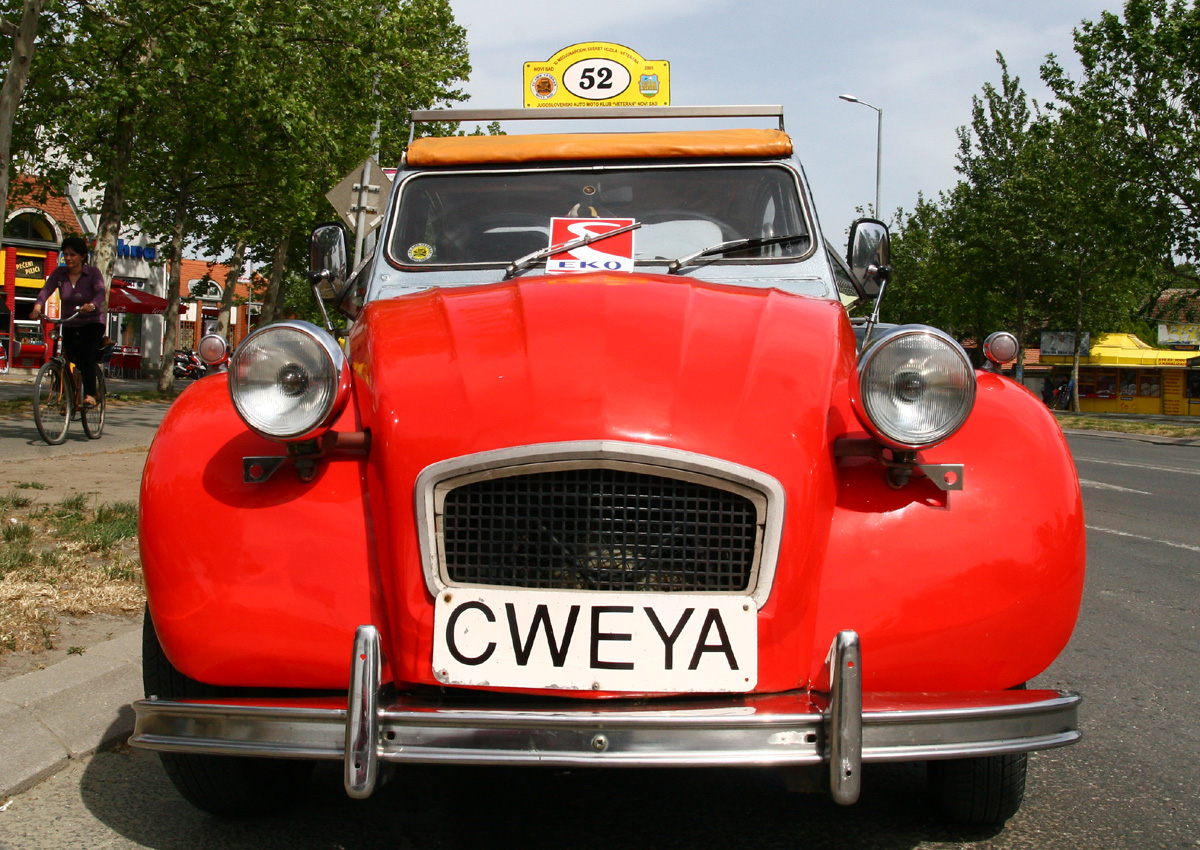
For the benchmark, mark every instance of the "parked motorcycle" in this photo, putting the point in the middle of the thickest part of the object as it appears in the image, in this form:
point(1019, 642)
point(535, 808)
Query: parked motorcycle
point(188, 365)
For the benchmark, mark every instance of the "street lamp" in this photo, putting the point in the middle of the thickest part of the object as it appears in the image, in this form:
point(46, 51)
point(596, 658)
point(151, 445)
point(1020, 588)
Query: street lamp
point(878, 146)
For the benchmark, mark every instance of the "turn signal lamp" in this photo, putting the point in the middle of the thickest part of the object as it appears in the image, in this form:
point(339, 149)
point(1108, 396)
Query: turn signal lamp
point(916, 387)
point(289, 381)
point(1001, 347)
point(212, 349)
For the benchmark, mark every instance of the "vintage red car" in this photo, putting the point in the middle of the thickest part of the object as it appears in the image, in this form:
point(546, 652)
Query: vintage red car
point(668, 507)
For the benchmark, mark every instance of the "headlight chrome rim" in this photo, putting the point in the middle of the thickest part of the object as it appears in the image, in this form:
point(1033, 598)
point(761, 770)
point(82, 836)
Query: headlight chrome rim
point(952, 377)
point(289, 381)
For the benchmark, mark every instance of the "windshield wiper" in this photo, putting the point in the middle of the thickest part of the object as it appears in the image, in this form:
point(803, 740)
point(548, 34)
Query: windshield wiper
point(733, 245)
point(570, 245)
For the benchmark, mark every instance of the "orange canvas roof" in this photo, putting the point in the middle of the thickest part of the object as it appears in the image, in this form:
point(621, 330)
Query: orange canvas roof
point(701, 144)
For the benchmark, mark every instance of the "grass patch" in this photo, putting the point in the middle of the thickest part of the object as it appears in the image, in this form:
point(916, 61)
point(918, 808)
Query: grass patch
point(31, 485)
point(14, 500)
point(16, 530)
point(144, 396)
point(72, 558)
point(1083, 422)
point(74, 503)
point(18, 406)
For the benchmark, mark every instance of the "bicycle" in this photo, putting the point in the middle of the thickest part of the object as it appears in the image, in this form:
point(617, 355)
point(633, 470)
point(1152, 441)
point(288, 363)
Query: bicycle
point(57, 394)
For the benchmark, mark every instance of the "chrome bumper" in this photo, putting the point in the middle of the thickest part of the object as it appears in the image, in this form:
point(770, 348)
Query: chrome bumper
point(841, 730)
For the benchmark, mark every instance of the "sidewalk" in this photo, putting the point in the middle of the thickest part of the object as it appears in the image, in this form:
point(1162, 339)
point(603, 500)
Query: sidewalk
point(68, 711)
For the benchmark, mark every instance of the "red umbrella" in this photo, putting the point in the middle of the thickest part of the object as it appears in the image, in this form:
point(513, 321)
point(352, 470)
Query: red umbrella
point(123, 298)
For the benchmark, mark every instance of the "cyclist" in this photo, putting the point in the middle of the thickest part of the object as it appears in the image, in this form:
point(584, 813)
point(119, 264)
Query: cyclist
point(81, 287)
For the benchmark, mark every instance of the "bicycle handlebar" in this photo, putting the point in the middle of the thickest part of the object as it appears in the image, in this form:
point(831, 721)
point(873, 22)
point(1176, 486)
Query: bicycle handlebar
point(50, 321)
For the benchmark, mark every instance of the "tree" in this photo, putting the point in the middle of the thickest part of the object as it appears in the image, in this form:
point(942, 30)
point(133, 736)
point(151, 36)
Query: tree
point(24, 37)
point(1027, 239)
point(243, 150)
point(1138, 100)
point(977, 253)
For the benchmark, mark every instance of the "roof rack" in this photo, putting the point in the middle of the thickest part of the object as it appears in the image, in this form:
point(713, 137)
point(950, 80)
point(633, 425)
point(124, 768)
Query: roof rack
point(425, 116)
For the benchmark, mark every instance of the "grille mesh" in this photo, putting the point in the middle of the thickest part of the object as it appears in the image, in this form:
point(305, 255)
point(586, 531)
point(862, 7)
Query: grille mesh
point(599, 529)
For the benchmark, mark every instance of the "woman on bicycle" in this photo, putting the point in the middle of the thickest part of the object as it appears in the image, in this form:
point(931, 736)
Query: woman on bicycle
point(81, 287)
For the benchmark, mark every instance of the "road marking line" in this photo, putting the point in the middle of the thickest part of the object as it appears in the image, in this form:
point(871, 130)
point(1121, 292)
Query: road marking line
point(1139, 465)
point(1098, 485)
point(1187, 546)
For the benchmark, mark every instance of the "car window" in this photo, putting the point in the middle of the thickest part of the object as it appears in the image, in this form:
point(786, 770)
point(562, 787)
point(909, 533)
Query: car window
point(495, 217)
point(847, 291)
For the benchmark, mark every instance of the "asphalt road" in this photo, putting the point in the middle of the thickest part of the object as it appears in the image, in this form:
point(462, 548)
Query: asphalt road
point(1131, 783)
point(80, 465)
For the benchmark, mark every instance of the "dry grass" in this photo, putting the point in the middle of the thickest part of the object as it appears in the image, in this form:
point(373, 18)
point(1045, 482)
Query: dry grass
point(67, 559)
point(1083, 422)
point(24, 406)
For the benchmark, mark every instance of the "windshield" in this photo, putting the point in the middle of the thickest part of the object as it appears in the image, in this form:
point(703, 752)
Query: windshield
point(467, 218)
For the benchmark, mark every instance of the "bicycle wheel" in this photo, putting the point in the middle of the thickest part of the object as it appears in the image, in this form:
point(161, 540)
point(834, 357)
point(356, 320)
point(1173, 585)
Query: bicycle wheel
point(52, 402)
point(93, 417)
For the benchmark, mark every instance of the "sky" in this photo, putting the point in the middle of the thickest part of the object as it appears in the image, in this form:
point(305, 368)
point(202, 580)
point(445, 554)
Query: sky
point(920, 62)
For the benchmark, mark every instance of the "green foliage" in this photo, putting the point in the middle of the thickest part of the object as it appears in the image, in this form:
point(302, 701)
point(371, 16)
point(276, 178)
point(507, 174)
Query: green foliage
point(16, 531)
point(226, 121)
point(1027, 240)
point(1136, 106)
point(14, 500)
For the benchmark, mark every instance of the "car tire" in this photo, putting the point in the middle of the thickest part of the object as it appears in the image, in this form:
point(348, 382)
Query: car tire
point(984, 791)
point(227, 786)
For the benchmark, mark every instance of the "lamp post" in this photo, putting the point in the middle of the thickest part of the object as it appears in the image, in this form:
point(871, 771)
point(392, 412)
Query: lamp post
point(878, 146)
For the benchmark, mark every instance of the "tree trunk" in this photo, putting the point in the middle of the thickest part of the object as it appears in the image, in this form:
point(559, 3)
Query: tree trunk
point(1019, 368)
point(24, 44)
point(112, 208)
point(272, 307)
point(1078, 343)
point(166, 378)
point(231, 278)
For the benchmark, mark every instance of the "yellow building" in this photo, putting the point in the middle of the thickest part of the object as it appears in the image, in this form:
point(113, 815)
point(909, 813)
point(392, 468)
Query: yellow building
point(1122, 374)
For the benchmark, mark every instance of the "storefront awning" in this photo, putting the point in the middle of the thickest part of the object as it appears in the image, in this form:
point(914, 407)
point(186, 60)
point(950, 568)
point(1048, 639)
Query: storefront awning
point(123, 298)
point(1124, 350)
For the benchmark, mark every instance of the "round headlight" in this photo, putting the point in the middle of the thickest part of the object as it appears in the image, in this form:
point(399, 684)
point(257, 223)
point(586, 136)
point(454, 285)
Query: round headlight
point(289, 381)
point(916, 387)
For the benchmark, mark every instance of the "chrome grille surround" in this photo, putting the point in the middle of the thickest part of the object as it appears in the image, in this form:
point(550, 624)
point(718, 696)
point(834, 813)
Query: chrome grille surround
point(686, 472)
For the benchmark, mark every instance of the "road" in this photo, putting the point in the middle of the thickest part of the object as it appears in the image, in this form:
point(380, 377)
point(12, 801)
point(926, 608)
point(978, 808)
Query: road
point(101, 466)
point(1131, 782)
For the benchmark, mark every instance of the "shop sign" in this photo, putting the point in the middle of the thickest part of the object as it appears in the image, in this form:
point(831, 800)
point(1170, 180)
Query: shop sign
point(136, 252)
point(31, 268)
point(1062, 343)
point(597, 73)
point(1184, 337)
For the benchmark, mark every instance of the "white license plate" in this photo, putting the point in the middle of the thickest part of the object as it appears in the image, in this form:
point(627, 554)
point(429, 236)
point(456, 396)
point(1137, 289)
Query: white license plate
point(595, 641)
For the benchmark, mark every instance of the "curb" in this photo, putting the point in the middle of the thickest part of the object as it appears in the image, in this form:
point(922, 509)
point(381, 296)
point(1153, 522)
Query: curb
point(68, 711)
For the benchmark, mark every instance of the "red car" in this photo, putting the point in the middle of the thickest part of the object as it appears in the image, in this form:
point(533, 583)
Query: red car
point(604, 475)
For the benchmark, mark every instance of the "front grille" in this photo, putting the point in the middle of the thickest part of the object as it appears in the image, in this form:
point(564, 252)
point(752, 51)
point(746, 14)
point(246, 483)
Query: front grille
point(599, 529)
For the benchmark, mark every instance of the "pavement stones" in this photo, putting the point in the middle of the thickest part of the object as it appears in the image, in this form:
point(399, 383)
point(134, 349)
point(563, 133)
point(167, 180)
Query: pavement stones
point(68, 711)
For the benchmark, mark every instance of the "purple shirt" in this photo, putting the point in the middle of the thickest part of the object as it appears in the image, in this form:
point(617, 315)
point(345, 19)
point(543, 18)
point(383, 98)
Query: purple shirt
point(89, 287)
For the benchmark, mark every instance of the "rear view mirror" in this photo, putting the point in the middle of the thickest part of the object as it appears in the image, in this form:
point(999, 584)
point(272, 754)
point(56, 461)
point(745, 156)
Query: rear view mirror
point(327, 261)
point(870, 255)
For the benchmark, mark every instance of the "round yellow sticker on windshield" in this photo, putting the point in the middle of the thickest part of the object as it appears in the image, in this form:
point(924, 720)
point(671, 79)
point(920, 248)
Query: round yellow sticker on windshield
point(421, 252)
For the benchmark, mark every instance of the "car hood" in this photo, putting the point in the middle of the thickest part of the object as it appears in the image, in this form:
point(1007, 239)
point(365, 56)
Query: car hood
point(743, 374)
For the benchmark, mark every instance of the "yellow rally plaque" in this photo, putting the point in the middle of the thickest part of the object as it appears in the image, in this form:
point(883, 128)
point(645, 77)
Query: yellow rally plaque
point(597, 73)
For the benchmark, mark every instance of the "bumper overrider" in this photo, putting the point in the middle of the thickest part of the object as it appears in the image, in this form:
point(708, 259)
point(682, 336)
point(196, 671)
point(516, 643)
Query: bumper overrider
point(840, 729)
